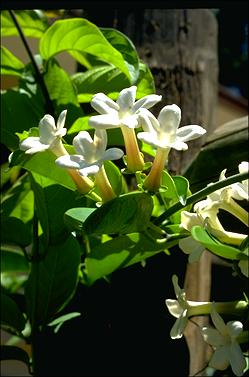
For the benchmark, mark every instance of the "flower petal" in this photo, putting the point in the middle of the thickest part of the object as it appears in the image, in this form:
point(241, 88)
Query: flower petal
point(213, 337)
point(100, 143)
point(90, 169)
point(174, 308)
point(72, 161)
point(190, 246)
point(220, 358)
point(149, 138)
point(130, 121)
point(105, 121)
point(47, 129)
point(148, 121)
point(218, 321)
point(179, 326)
point(126, 99)
point(169, 119)
point(103, 104)
point(112, 154)
point(83, 144)
point(33, 145)
point(237, 359)
point(178, 145)
point(147, 102)
point(61, 120)
point(187, 133)
point(189, 219)
point(234, 328)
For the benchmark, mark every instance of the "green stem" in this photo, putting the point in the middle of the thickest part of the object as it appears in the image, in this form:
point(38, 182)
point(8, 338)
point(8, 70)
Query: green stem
point(230, 307)
point(200, 195)
point(243, 337)
point(35, 271)
point(49, 105)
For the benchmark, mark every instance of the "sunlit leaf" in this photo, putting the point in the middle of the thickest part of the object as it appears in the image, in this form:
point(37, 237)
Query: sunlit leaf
point(33, 23)
point(80, 36)
point(10, 64)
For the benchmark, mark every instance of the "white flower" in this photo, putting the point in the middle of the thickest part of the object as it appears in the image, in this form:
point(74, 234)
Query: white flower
point(223, 340)
point(163, 132)
point(192, 247)
point(182, 309)
point(91, 153)
point(124, 112)
point(49, 135)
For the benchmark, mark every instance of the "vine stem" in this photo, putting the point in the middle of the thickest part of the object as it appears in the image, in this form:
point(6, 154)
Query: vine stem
point(38, 75)
point(196, 197)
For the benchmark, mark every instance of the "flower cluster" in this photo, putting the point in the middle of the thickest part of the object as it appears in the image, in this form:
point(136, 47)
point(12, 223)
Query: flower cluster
point(127, 114)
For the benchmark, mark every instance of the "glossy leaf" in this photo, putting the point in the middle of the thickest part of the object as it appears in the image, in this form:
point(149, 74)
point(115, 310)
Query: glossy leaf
point(11, 316)
point(216, 247)
point(10, 64)
point(14, 353)
point(53, 280)
point(13, 230)
point(118, 253)
point(44, 164)
point(58, 322)
point(145, 83)
point(125, 214)
point(12, 259)
point(105, 79)
point(81, 124)
point(125, 46)
point(62, 91)
point(81, 37)
point(33, 23)
point(182, 188)
point(75, 217)
point(52, 200)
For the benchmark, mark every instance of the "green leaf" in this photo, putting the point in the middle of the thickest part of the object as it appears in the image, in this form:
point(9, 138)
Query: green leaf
point(58, 322)
point(182, 188)
point(13, 230)
point(18, 201)
point(53, 280)
point(81, 124)
point(21, 111)
point(52, 200)
point(80, 37)
point(62, 91)
point(14, 353)
point(145, 83)
point(216, 247)
point(75, 217)
point(32, 22)
point(125, 46)
point(117, 253)
point(126, 214)
point(116, 178)
point(11, 316)
point(13, 260)
point(10, 64)
point(105, 79)
point(44, 164)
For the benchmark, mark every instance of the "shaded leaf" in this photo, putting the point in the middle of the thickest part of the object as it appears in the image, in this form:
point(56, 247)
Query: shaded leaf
point(126, 214)
point(12, 259)
point(11, 316)
point(53, 280)
point(14, 230)
point(14, 353)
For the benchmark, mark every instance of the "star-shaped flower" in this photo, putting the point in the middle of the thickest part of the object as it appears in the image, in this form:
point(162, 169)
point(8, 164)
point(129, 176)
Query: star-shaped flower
point(224, 341)
point(182, 309)
point(91, 153)
point(163, 132)
point(49, 135)
point(123, 113)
